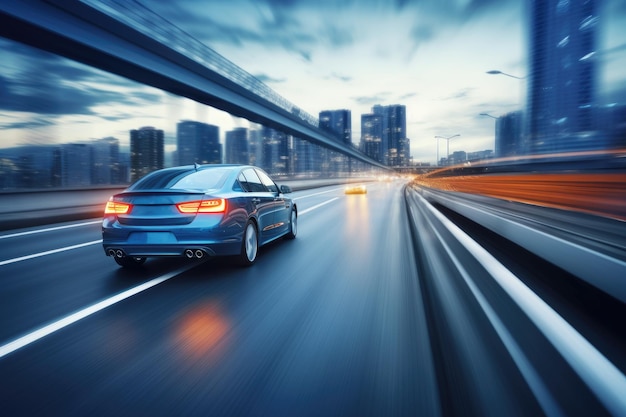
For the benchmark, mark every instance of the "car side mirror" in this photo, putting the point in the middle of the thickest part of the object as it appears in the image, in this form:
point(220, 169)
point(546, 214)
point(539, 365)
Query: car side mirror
point(285, 189)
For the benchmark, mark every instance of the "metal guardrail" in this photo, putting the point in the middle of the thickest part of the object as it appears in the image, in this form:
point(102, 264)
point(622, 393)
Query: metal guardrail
point(570, 250)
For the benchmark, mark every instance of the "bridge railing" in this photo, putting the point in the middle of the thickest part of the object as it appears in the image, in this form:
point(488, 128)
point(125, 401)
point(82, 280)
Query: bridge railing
point(150, 23)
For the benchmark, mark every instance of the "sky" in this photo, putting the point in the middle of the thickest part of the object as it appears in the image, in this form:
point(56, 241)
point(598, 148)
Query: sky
point(429, 55)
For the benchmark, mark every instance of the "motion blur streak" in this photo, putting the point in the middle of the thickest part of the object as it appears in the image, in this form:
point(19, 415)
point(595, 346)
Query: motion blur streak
point(602, 194)
point(50, 229)
point(602, 377)
point(49, 252)
point(86, 312)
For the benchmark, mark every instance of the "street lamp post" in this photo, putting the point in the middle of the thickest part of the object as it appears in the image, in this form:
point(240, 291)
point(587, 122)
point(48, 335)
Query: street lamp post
point(498, 72)
point(447, 146)
point(495, 133)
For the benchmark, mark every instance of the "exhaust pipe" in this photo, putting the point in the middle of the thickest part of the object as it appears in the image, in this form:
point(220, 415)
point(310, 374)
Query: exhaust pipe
point(119, 253)
point(111, 252)
point(194, 253)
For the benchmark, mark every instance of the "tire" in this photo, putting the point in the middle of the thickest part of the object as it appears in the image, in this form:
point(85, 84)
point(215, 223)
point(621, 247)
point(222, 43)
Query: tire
point(293, 225)
point(130, 261)
point(249, 245)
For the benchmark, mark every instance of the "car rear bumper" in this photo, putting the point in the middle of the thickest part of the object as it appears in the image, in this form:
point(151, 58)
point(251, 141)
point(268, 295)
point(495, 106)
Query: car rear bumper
point(155, 250)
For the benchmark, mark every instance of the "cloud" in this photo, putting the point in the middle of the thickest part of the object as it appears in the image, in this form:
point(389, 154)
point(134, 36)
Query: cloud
point(371, 100)
point(42, 83)
point(31, 124)
point(52, 93)
point(264, 78)
point(407, 96)
point(340, 77)
point(459, 95)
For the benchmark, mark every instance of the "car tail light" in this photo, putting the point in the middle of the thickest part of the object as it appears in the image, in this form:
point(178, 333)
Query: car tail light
point(116, 207)
point(217, 205)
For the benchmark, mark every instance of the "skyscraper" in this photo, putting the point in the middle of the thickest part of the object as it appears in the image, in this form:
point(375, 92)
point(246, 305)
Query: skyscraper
point(105, 161)
point(383, 135)
point(372, 136)
point(339, 123)
point(75, 164)
point(146, 151)
point(275, 155)
point(508, 134)
point(562, 76)
point(237, 151)
point(198, 143)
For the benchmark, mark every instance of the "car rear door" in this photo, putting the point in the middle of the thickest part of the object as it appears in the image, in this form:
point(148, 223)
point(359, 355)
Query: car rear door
point(282, 207)
point(262, 200)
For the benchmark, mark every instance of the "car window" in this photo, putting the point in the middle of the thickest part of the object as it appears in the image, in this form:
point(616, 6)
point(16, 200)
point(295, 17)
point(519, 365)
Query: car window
point(237, 186)
point(159, 180)
point(251, 182)
point(183, 179)
point(267, 181)
point(244, 182)
point(203, 180)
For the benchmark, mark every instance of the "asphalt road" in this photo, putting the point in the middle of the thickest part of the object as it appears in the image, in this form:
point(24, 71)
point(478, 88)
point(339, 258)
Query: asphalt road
point(376, 309)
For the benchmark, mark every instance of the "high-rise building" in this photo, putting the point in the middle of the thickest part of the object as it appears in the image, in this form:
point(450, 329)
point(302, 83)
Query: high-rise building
point(339, 123)
point(254, 146)
point(372, 136)
point(305, 157)
point(275, 156)
point(146, 151)
point(75, 164)
point(31, 166)
point(105, 161)
point(237, 151)
point(198, 143)
point(562, 76)
point(395, 144)
point(509, 134)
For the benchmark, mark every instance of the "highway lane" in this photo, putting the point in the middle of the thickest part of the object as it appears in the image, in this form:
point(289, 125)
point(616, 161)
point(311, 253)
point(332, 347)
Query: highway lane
point(328, 324)
point(361, 315)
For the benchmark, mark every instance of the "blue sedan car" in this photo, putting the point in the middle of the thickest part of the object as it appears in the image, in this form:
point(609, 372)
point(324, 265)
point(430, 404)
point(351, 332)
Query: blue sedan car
point(197, 211)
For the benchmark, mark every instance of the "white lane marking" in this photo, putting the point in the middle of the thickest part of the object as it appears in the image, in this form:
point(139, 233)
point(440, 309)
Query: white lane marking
point(86, 312)
point(603, 378)
point(50, 229)
point(317, 206)
point(314, 194)
point(49, 252)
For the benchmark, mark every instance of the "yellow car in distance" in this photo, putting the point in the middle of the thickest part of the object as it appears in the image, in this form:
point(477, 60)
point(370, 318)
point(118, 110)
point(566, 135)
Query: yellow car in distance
point(356, 189)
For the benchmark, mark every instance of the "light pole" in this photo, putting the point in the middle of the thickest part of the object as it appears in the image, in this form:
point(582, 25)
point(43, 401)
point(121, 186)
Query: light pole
point(498, 72)
point(447, 146)
point(495, 133)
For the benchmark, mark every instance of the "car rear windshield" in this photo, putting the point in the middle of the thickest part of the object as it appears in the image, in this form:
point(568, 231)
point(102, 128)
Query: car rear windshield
point(183, 179)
